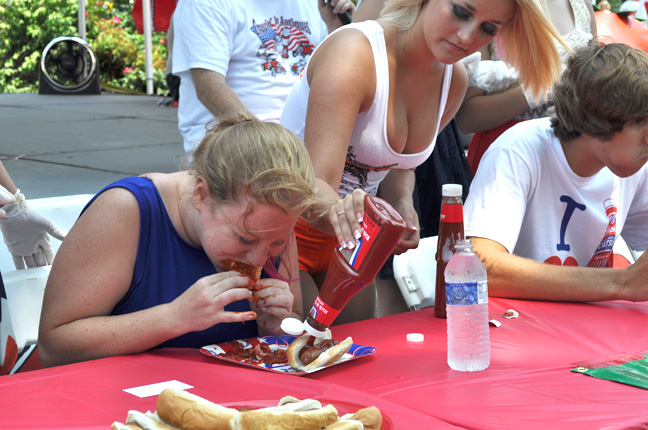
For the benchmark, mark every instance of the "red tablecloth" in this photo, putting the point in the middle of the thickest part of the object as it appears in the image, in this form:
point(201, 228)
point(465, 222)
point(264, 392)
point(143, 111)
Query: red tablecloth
point(528, 384)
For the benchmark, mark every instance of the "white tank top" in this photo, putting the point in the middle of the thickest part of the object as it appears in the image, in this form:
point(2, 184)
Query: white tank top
point(369, 157)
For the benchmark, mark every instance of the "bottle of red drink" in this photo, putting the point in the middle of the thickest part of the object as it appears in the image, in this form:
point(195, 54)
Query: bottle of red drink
point(451, 229)
point(350, 272)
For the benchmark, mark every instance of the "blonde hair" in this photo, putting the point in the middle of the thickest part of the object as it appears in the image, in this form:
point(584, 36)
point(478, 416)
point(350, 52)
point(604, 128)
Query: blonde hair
point(243, 155)
point(527, 41)
point(402, 13)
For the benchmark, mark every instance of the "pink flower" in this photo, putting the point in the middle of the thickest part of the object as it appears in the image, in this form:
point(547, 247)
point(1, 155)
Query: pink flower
point(127, 70)
point(163, 41)
point(116, 19)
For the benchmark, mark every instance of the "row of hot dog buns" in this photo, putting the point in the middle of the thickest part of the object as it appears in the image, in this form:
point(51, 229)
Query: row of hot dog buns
point(178, 409)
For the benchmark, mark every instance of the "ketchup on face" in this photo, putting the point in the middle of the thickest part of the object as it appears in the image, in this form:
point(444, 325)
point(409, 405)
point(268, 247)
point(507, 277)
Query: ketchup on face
point(348, 273)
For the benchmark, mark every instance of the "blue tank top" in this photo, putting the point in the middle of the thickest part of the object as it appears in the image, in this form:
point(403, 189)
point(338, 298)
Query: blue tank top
point(167, 265)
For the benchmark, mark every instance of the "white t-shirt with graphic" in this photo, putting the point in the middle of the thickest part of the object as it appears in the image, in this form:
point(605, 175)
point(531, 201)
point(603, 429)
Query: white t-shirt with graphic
point(260, 46)
point(526, 197)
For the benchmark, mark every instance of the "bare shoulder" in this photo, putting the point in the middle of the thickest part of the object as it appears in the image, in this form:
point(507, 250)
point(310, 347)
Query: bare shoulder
point(343, 68)
point(346, 52)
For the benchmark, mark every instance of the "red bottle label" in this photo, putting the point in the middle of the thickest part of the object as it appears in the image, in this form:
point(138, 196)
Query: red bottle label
point(323, 313)
point(451, 213)
point(370, 231)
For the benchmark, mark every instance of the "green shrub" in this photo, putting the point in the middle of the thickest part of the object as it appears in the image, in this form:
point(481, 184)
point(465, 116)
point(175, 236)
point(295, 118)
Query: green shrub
point(27, 26)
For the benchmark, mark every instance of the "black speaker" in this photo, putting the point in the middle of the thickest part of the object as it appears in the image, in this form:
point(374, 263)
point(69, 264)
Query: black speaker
point(68, 66)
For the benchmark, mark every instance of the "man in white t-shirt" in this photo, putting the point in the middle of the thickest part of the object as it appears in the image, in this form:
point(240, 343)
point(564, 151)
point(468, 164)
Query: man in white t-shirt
point(551, 196)
point(243, 55)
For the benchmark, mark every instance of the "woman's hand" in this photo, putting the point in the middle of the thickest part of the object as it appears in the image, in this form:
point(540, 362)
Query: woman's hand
point(275, 304)
point(203, 304)
point(412, 235)
point(346, 218)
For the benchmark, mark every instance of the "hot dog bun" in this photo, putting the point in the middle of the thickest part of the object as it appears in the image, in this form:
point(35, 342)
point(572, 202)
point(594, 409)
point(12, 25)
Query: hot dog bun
point(251, 272)
point(370, 417)
point(261, 419)
point(331, 355)
point(191, 412)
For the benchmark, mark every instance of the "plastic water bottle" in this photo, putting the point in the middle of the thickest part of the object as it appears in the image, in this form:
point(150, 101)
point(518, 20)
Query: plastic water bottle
point(467, 310)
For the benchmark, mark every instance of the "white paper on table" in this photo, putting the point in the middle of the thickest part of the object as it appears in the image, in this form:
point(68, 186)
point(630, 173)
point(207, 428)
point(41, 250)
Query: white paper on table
point(156, 389)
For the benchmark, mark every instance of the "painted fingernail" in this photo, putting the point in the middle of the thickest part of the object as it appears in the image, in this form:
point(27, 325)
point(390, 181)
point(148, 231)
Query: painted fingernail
point(351, 245)
point(359, 216)
point(260, 303)
point(264, 309)
point(357, 234)
point(343, 244)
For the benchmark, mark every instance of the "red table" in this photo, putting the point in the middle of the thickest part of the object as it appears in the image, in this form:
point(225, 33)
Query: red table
point(528, 385)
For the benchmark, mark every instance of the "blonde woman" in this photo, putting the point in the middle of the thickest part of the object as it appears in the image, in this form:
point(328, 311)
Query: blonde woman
point(143, 266)
point(375, 94)
point(488, 112)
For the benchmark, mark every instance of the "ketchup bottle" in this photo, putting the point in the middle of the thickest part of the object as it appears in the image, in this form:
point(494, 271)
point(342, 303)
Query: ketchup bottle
point(350, 272)
point(451, 230)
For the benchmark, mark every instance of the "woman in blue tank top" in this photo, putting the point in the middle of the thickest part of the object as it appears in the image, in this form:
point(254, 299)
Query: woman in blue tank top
point(143, 266)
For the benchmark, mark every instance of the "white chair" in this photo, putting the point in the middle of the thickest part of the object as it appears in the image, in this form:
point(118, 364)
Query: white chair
point(415, 274)
point(21, 304)
point(20, 312)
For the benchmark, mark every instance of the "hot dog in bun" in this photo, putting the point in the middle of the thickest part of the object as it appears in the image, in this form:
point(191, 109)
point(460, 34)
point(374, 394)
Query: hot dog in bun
point(190, 412)
point(182, 410)
point(308, 352)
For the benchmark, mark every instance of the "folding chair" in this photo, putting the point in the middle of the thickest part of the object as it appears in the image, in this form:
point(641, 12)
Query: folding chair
point(415, 274)
point(21, 301)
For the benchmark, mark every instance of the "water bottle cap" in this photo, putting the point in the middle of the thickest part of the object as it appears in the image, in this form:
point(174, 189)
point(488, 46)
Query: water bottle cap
point(452, 190)
point(313, 332)
point(292, 326)
point(415, 337)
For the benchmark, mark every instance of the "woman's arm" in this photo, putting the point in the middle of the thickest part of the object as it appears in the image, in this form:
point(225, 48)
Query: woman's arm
point(342, 80)
point(398, 189)
point(5, 180)
point(482, 112)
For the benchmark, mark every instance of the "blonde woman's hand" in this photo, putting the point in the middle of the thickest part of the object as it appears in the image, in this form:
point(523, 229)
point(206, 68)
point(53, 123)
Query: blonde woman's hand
point(346, 218)
point(412, 234)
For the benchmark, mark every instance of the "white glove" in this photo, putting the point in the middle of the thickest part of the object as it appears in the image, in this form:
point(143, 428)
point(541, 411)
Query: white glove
point(471, 63)
point(495, 75)
point(26, 232)
point(488, 75)
point(5, 198)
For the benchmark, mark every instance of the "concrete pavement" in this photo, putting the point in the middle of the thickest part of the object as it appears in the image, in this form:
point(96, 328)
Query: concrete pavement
point(60, 145)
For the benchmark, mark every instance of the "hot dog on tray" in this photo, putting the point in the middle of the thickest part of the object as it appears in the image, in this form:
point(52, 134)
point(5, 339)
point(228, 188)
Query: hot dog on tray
point(178, 409)
point(308, 352)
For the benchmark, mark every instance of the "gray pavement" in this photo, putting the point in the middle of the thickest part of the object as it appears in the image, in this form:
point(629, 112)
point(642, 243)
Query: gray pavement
point(61, 145)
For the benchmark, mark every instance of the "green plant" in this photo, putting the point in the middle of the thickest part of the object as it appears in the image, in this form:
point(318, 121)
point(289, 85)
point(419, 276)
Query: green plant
point(27, 26)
